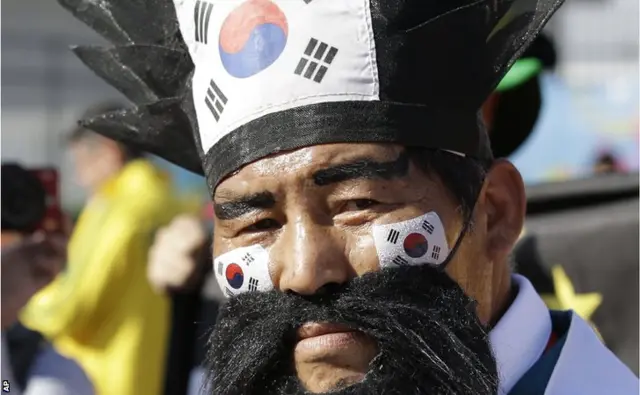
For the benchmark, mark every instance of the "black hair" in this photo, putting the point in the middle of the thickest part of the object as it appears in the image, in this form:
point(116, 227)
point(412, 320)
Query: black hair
point(23, 199)
point(606, 158)
point(543, 48)
point(129, 152)
point(462, 176)
point(517, 109)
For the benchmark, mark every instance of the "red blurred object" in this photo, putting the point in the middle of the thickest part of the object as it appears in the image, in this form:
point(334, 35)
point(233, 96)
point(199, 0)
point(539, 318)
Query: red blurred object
point(207, 211)
point(50, 179)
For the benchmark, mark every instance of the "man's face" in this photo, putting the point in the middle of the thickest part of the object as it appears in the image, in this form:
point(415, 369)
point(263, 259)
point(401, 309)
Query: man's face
point(95, 159)
point(314, 210)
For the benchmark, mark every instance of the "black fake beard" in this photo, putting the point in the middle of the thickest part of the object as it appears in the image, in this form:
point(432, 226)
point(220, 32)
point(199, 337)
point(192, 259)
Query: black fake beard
point(429, 338)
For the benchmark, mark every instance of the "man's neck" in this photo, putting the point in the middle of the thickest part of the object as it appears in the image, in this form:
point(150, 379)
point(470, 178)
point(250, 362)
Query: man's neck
point(505, 294)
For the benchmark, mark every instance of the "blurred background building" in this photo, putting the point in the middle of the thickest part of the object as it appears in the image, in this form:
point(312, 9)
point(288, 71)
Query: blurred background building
point(590, 107)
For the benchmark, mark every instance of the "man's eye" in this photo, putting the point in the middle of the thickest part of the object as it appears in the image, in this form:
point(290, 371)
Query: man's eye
point(360, 204)
point(265, 224)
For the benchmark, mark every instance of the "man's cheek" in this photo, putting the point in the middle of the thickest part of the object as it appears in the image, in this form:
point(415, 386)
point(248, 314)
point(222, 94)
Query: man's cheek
point(417, 241)
point(244, 269)
point(361, 253)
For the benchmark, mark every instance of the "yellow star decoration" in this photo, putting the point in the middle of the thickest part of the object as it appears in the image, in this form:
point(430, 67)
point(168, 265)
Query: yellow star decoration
point(566, 298)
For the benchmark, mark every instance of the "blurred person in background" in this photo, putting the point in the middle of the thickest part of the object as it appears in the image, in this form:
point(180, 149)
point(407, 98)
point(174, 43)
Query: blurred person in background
point(30, 260)
point(607, 163)
point(101, 310)
point(512, 110)
point(23, 207)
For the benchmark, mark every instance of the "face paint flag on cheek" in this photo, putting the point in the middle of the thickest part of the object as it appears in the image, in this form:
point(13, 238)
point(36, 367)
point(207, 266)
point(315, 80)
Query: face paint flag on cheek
point(244, 269)
point(416, 241)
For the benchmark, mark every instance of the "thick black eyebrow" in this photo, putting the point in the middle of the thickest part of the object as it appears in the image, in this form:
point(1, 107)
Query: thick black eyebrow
point(243, 205)
point(363, 168)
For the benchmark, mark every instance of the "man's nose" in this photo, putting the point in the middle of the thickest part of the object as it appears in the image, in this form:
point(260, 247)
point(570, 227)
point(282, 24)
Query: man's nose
point(309, 257)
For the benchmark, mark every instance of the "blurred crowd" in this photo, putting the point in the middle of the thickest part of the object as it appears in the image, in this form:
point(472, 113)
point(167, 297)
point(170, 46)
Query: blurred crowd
point(121, 299)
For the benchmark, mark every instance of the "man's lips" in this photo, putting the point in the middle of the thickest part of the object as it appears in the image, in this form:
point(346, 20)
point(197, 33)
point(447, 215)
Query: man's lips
point(325, 337)
point(314, 329)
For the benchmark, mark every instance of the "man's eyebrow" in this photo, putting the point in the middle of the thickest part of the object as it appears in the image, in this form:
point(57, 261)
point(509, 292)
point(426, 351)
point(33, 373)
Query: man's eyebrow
point(242, 205)
point(365, 168)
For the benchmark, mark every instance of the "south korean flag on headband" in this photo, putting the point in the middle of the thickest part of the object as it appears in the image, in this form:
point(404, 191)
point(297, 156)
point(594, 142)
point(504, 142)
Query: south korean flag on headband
point(417, 241)
point(244, 269)
point(257, 57)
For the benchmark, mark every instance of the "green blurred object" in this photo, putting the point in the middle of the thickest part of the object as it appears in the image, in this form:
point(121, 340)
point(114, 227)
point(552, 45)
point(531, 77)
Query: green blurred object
point(522, 71)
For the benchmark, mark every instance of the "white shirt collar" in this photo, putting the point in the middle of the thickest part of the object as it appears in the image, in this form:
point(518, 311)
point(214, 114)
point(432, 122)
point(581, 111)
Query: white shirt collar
point(521, 335)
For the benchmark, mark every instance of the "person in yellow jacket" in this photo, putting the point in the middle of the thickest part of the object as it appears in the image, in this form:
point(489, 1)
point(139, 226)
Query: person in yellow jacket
point(101, 310)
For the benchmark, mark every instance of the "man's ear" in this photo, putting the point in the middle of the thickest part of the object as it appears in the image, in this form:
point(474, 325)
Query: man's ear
point(505, 207)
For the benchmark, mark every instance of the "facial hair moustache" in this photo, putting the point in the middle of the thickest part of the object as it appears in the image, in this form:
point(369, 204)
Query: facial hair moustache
point(429, 337)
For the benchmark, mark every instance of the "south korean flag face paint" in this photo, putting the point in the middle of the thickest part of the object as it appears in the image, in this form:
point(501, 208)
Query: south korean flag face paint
point(417, 241)
point(244, 269)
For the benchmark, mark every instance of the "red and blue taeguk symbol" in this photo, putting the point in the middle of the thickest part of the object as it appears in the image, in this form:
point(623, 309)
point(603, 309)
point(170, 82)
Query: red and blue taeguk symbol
point(415, 245)
point(252, 37)
point(235, 276)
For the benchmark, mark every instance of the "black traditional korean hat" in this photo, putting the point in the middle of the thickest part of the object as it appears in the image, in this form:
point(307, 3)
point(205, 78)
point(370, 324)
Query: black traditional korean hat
point(218, 84)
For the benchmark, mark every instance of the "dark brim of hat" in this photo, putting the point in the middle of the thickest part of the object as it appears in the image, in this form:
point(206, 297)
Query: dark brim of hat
point(459, 131)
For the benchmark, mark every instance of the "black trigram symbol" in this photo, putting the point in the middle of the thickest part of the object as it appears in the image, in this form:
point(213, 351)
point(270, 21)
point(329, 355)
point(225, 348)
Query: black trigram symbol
point(215, 100)
point(253, 284)
point(248, 258)
point(393, 236)
point(220, 268)
point(428, 227)
point(228, 292)
point(435, 254)
point(307, 1)
point(201, 17)
point(322, 56)
point(400, 261)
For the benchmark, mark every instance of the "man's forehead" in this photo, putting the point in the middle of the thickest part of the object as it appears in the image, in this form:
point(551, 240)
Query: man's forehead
point(304, 162)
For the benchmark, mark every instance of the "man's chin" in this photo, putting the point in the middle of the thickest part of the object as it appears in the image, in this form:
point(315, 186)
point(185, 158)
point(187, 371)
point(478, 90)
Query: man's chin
point(324, 378)
point(333, 361)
